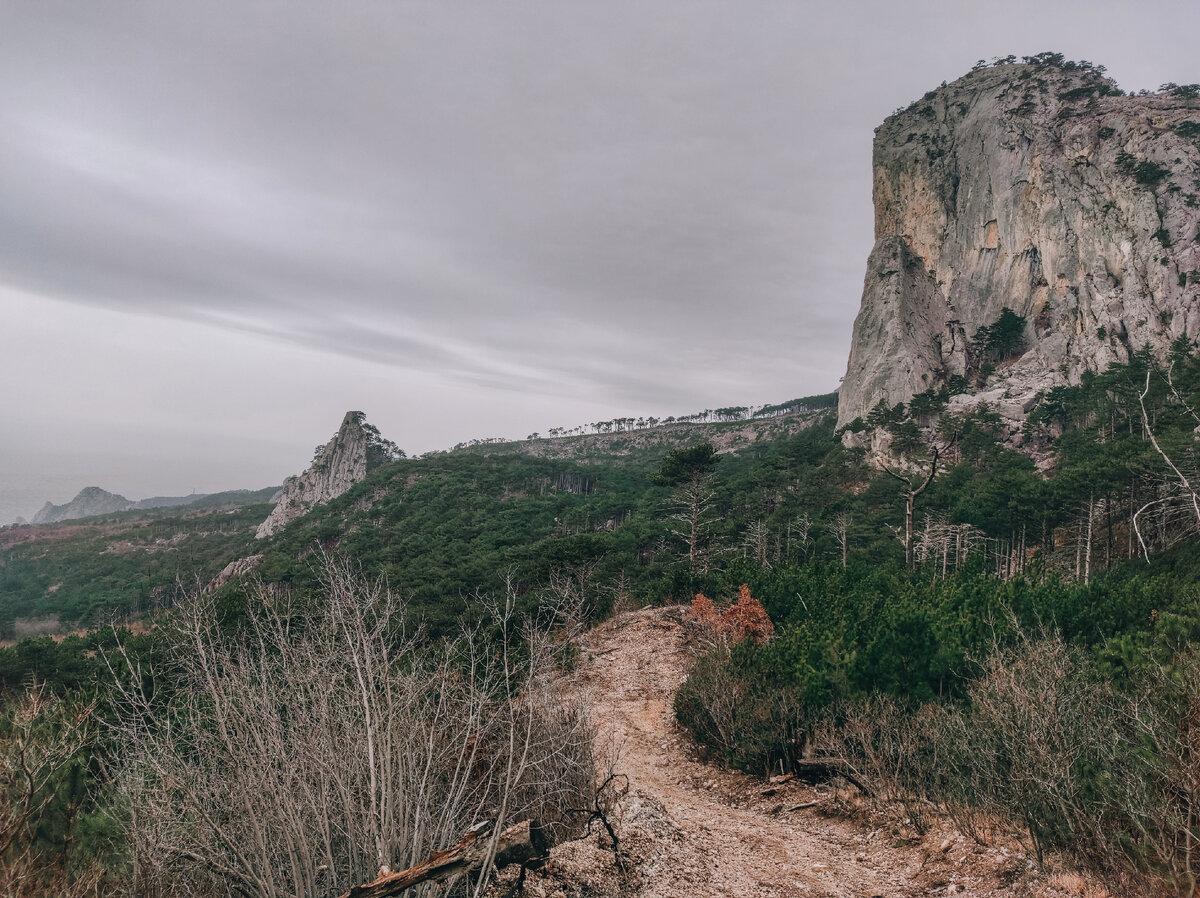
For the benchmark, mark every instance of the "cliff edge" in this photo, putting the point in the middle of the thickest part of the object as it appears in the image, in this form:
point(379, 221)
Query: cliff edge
point(1041, 188)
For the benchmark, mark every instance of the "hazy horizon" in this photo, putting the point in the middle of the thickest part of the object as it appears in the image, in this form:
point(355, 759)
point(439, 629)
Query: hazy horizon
point(222, 226)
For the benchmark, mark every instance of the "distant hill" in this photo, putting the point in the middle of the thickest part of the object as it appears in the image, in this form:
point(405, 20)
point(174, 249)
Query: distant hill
point(92, 501)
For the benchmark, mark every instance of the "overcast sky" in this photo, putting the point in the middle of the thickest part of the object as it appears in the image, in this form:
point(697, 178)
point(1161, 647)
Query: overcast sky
point(223, 225)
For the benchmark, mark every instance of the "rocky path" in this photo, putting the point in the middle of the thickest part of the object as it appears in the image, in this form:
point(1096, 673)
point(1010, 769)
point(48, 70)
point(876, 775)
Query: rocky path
point(694, 830)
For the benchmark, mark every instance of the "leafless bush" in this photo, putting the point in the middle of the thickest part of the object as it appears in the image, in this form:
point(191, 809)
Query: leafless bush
point(27, 627)
point(1157, 786)
point(708, 701)
point(1038, 722)
point(1043, 745)
point(740, 718)
point(1109, 776)
point(621, 593)
point(40, 736)
point(888, 748)
point(327, 741)
point(1024, 748)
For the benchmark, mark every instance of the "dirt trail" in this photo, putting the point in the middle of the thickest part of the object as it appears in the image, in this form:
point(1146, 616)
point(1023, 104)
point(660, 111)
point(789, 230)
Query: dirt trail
point(694, 830)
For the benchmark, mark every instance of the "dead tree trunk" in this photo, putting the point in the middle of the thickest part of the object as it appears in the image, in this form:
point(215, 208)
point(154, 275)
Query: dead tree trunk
point(1087, 558)
point(1188, 490)
point(516, 845)
point(913, 491)
point(821, 770)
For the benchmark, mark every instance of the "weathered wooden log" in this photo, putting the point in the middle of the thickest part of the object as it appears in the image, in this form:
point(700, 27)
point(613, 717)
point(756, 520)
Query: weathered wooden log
point(519, 843)
point(820, 770)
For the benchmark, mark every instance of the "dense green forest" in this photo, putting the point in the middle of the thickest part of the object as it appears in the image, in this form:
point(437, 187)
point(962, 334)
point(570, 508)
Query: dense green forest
point(795, 516)
point(450, 522)
point(85, 573)
point(1085, 536)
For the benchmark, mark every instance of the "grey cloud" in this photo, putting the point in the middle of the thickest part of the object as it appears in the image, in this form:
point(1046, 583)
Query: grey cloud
point(551, 166)
point(657, 206)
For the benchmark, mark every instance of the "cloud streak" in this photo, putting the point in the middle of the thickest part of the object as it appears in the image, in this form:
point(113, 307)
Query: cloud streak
point(580, 207)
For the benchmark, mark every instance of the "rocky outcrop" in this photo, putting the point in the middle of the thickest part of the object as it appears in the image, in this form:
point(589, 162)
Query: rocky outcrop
point(234, 569)
point(1038, 187)
point(90, 501)
point(340, 463)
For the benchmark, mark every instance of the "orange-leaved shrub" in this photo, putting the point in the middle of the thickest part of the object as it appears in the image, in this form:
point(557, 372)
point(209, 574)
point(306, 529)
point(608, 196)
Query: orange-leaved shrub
point(726, 704)
point(744, 619)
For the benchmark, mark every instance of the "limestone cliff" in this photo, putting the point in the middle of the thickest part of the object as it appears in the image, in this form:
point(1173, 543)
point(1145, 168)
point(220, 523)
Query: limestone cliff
point(1038, 187)
point(340, 463)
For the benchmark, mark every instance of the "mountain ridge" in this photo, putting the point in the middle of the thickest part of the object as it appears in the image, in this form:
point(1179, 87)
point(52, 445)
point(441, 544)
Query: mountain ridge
point(93, 500)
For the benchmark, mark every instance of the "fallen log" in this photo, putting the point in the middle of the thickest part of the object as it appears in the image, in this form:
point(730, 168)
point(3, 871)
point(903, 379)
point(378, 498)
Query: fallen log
point(519, 843)
point(820, 770)
point(776, 782)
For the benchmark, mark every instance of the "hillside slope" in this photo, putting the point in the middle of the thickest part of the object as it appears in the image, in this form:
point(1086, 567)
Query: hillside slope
point(440, 527)
point(89, 571)
point(625, 446)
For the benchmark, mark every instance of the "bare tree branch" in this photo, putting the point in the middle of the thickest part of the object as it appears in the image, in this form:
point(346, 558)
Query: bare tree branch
point(329, 740)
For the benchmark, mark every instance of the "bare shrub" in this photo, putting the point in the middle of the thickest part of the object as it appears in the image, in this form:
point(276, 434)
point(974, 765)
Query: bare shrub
point(708, 701)
point(1041, 745)
point(1034, 745)
point(890, 749)
point(29, 627)
point(621, 596)
point(327, 741)
point(40, 738)
point(1156, 786)
point(740, 716)
point(1036, 721)
point(1110, 777)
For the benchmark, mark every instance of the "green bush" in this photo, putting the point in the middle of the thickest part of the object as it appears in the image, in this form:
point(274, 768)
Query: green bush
point(1150, 173)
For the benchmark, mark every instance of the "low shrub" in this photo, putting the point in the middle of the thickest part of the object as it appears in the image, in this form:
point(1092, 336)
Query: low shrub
point(739, 715)
point(744, 619)
point(1100, 768)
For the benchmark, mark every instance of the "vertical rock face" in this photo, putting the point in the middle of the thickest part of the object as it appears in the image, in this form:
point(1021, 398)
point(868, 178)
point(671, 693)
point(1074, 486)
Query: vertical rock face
point(1040, 188)
point(340, 464)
